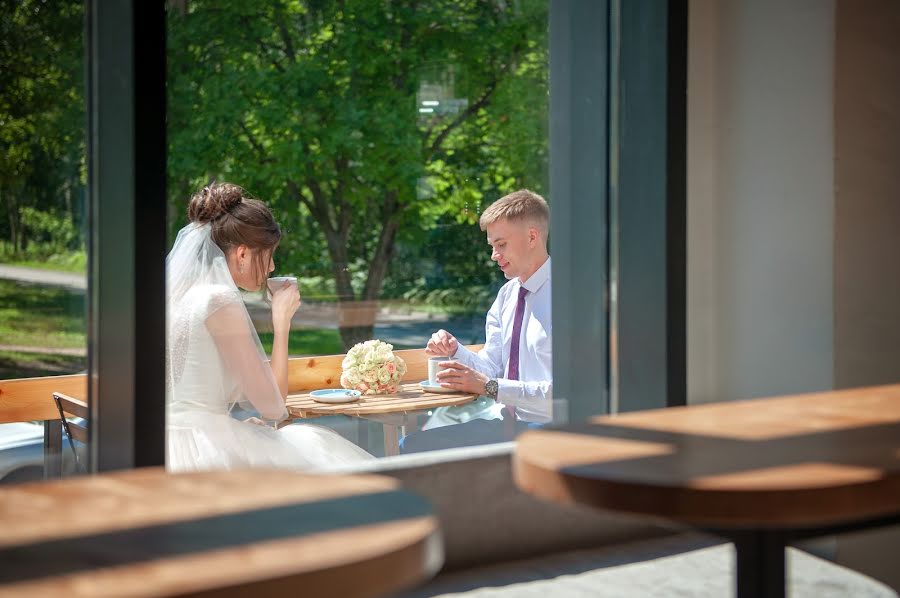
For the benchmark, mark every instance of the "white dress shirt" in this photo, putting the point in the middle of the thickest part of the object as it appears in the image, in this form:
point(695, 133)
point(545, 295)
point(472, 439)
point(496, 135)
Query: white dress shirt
point(532, 394)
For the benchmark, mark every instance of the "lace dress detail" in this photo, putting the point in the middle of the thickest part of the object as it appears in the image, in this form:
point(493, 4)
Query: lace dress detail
point(202, 383)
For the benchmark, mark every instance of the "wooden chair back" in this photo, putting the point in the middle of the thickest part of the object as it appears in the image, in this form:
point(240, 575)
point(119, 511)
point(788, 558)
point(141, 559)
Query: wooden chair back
point(69, 407)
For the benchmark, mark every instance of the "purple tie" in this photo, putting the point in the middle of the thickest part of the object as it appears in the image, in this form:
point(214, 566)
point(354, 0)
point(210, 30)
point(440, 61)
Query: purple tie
point(513, 372)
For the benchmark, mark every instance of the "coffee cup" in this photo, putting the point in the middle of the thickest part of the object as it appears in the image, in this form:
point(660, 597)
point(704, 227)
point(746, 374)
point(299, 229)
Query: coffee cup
point(434, 368)
point(276, 282)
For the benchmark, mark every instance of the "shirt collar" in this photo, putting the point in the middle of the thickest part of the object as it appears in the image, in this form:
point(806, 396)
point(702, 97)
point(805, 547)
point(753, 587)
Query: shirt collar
point(537, 280)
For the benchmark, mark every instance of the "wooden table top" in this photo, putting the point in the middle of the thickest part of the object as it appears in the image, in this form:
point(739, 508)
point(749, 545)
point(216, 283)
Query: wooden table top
point(144, 532)
point(410, 398)
point(797, 461)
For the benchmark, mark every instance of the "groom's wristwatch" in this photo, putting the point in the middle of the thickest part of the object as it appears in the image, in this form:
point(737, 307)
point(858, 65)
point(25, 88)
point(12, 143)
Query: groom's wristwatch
point(490, 389)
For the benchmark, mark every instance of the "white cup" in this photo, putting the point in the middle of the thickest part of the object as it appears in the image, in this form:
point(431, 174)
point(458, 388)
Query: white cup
point(276, 282)
point(434, 368)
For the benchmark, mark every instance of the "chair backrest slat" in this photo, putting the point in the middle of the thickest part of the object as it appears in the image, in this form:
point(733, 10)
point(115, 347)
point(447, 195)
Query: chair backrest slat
point(71, 405)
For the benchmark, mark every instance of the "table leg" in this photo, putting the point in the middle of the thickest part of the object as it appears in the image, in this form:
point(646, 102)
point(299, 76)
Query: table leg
point(760, 564)
point(391, 440)
point(362, 433)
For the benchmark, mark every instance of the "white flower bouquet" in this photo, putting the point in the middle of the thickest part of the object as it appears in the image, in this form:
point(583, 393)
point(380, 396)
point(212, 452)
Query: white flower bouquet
point(372, 368)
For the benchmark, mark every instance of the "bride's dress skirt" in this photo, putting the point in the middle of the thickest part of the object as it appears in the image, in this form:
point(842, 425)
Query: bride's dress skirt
point(202, 440)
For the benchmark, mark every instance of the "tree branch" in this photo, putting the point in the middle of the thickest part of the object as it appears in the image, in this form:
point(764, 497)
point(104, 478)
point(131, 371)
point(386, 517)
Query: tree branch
point(342, 210)
point(463, 116)
point(322, 212)
point(267, 48)
point(295, 191)
point(381, 257)
point(256, 145)
point(286, 39)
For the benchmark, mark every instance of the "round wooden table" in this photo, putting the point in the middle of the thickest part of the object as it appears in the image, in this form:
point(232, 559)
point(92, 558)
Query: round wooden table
point(147, 533)
point(394, 411)
point(761, 472)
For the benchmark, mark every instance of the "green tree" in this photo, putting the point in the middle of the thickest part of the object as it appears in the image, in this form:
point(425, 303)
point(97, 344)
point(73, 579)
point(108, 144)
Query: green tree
point(41, 112)
point(317, 107)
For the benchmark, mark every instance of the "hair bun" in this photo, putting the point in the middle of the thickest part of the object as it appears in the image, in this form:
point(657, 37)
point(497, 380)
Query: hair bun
point(213, 201)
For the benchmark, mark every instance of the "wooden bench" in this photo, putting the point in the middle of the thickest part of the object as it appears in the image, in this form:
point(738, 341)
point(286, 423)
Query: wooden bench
point(308, 373)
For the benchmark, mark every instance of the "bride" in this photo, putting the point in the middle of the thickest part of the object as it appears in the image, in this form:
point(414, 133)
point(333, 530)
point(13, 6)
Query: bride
point(213, 354)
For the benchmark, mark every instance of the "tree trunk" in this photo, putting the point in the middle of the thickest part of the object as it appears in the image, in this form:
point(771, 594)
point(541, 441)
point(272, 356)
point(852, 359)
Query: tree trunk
point(384, 250)
point(360, 316)
point(357, 318)
point(13, 214)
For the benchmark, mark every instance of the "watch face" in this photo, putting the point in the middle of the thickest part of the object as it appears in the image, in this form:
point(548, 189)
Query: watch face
point(490, 388)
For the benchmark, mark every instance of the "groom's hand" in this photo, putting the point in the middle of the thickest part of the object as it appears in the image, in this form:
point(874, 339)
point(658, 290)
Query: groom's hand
point(461, 377)
point(442, 343)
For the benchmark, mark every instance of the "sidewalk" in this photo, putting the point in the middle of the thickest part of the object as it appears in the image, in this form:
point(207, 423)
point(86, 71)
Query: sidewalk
point(393, 322)
point(69, 280)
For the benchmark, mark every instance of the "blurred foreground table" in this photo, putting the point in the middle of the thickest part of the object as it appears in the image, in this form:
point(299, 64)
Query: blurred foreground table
point(762, 473)
point(145, 533)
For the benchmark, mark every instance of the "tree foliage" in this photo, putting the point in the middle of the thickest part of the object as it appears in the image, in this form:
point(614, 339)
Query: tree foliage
point(42, 122)
point(317, 107)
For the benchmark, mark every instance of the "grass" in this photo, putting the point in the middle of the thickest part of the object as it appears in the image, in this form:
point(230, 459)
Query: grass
point(37, 316)
point(312, 341)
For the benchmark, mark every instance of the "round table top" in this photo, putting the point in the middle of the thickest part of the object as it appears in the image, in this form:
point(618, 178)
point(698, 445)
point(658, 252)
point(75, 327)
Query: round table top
point(799, 461)
point(410, 398)
point(146, 532)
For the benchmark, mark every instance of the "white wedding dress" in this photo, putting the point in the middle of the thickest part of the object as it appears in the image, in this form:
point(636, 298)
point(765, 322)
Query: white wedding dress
point(214, 360)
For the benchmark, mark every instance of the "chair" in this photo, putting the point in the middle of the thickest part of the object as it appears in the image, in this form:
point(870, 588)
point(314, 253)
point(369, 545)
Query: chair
point(71, 407)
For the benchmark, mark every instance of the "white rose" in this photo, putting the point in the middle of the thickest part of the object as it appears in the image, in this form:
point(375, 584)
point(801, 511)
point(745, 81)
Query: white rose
point(354, 378)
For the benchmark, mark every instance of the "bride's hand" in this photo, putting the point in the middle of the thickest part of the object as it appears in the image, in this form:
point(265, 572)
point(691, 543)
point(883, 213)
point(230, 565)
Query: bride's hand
point(285, 303)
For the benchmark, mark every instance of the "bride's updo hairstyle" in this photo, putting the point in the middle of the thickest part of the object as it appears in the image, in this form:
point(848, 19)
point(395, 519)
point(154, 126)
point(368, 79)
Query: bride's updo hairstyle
point(236, 220)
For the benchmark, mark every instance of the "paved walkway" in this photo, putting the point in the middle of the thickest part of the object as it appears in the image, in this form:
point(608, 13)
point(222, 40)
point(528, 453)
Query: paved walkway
point(393, 324)
point(54, 278)
point(73, 351)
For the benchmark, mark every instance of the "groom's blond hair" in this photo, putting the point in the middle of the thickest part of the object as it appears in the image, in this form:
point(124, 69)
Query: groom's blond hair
point(519, 206)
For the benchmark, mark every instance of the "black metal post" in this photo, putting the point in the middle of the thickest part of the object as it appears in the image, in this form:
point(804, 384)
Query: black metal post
point(126, 252)
point(648, 145)
point(759, 563)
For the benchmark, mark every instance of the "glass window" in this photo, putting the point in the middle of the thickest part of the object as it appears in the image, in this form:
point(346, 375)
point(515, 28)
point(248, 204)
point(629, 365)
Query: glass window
point(42, 231)
point(376, 133)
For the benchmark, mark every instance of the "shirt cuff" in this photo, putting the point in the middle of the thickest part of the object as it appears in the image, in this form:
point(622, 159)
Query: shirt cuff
point(464, 355)
point(509, 391)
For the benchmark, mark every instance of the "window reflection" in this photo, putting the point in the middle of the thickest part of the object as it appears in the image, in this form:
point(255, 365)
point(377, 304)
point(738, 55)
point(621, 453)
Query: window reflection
point(377, 134)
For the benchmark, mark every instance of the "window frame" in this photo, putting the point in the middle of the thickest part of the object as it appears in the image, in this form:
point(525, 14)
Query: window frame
point(125, 62)
point(593, 44)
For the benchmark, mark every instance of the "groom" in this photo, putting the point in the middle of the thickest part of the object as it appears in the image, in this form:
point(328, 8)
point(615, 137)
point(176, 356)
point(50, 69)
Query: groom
point(514, 368)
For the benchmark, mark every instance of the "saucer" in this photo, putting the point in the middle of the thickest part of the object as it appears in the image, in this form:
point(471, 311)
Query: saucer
point(427, 386)
point(335, 395)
